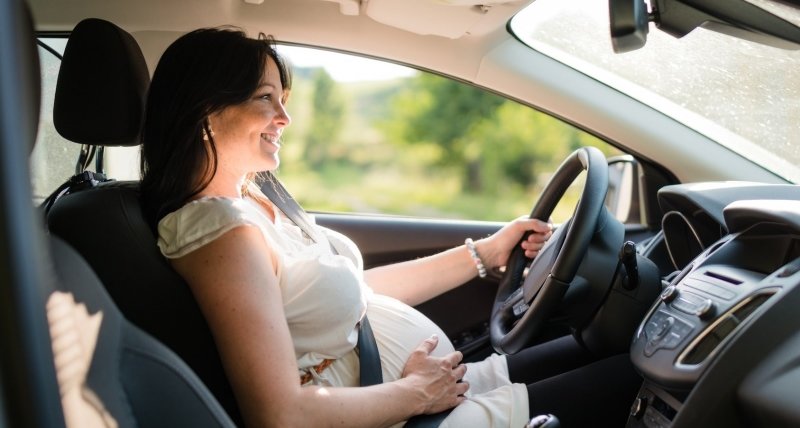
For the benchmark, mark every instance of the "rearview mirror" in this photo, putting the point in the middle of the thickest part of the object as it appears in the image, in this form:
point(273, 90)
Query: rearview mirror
point(629, 24)
point(630, 20)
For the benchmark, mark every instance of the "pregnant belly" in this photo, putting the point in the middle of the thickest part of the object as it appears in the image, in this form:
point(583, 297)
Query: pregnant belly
point(399, 329)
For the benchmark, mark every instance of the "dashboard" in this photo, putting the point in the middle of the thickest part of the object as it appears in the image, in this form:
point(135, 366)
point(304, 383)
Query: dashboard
point(721, 345)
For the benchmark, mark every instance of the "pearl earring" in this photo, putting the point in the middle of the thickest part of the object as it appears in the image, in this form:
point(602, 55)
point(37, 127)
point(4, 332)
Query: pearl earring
point(208, 134)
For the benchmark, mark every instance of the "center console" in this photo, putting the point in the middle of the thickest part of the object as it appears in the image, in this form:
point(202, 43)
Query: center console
point(703, 309)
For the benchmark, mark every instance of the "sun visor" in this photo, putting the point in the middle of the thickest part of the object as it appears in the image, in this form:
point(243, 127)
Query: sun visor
point(445, 18)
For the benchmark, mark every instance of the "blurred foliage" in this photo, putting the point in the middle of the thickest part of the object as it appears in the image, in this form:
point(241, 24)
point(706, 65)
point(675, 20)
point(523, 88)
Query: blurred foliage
point(421, 146)
point(327, 111)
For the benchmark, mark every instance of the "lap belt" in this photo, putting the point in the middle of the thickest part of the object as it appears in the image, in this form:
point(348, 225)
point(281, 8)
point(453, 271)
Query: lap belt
point(369, 358)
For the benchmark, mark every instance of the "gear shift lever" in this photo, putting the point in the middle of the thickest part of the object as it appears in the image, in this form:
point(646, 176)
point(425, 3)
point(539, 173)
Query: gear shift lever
point(543, 421)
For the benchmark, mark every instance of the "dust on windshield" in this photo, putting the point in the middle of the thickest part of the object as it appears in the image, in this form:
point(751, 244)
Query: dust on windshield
point(742, 94)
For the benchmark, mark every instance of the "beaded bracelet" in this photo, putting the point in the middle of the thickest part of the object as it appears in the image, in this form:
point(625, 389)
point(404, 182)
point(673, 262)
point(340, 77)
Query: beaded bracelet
point(475, 257)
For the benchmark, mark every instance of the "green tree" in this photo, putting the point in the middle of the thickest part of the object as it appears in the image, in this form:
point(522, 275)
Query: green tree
point(327, 116)
point(441, 112)
point(453, 110)
point(493, 143)
point(517, 145)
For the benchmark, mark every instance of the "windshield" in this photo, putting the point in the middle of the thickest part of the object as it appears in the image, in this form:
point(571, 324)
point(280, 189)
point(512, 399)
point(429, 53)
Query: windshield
point(741, 94)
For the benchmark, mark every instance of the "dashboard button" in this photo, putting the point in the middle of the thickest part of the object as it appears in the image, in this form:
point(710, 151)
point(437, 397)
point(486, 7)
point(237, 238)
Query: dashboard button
point(669, 294)
point(664, 331)
point(671, 341)
point(689, 303)
point(711, 289)
point(656, 324)
point(706, 310)
point(650, 348)
point(663, 328)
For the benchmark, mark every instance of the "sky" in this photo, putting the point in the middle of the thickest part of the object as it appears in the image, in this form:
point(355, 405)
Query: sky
point(344, 68)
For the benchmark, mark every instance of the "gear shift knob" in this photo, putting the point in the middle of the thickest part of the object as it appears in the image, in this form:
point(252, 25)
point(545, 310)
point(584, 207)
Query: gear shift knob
point(543, 421)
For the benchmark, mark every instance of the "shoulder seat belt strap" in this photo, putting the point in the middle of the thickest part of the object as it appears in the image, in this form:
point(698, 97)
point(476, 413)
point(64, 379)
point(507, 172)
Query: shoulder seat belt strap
point(369, 358)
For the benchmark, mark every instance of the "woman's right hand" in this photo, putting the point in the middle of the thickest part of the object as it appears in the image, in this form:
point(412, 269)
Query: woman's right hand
point(436, 378)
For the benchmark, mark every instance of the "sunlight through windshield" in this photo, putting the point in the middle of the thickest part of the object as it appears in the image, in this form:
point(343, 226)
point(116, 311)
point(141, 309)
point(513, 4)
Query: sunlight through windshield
point(743, 95)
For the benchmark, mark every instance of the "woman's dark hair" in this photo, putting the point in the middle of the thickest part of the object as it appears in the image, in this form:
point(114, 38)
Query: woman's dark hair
point(201, 73)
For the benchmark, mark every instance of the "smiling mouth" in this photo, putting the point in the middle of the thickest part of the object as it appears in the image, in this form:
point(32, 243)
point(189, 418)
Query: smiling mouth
point(271, 138)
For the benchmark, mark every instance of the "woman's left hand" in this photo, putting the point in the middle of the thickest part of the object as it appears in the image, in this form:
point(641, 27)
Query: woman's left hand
point(496, 249)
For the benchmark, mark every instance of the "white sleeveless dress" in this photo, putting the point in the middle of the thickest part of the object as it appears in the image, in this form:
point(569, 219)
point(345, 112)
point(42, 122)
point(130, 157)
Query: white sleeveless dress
point(324, 296)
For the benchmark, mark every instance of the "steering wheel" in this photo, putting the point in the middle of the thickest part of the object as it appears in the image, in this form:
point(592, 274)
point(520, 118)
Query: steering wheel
point(524, 302)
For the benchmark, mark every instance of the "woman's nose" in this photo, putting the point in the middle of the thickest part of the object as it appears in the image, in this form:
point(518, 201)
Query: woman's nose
point(283, 118)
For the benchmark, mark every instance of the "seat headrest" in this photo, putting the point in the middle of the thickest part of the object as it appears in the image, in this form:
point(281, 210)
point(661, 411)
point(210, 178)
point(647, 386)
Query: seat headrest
point(102, 86)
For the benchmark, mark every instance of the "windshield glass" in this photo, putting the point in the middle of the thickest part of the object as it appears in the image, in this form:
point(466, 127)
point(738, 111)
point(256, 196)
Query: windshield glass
point(742, 94)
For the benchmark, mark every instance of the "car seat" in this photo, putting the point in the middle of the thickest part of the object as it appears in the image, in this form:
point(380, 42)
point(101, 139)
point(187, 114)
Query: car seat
point(112, 369)
point(121, 375)
point(104, 223)
point(28, 390)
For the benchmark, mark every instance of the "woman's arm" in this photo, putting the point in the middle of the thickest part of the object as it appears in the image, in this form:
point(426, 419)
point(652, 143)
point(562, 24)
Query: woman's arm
point(234, 281)
point(417, 281)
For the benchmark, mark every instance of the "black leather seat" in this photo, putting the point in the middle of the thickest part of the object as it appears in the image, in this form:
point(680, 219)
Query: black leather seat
point(108, 371)
point(132, 378)
point(104, 223)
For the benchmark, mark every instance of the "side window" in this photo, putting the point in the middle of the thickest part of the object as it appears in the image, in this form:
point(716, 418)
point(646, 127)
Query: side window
point(368, 136)
point(53, 158)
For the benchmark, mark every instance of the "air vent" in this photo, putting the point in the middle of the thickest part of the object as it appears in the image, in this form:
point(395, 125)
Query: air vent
point(708, 341)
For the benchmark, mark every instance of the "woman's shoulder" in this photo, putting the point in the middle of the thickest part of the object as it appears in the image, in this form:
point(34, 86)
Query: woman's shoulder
point(203, 220)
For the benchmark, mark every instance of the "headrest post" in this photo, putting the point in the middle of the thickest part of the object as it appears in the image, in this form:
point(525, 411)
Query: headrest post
point(98, 166)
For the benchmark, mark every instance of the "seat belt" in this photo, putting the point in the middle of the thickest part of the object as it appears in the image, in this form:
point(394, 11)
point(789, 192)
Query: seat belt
point(368, 355)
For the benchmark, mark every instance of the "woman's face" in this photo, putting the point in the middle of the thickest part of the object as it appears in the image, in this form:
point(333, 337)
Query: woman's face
point(247, 135)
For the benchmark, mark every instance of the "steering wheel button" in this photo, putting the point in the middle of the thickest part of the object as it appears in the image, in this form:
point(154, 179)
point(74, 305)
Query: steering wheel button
point(520, 308)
